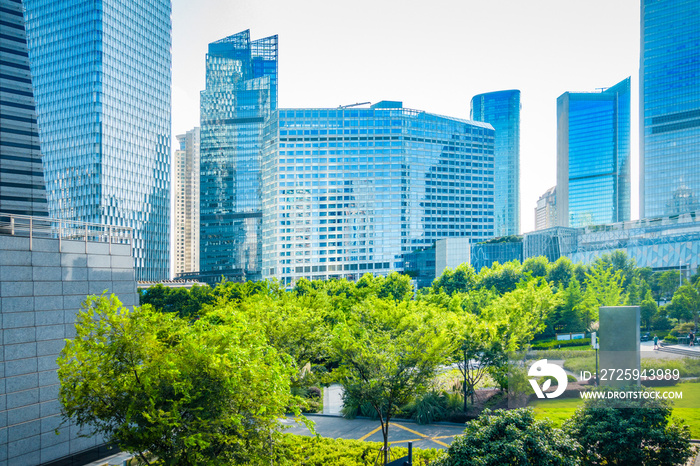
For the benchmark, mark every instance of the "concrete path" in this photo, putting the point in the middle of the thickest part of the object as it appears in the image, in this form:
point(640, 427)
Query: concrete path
point(647, 351)
point(400, 432)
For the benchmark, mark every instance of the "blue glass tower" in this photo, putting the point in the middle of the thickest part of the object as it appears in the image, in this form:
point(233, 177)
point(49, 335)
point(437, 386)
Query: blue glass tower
point(241, 91)
point(22, 190)
point(102, 81)
point(669, 107)
point(502, 110)
point(352, 190)
point(593, 156)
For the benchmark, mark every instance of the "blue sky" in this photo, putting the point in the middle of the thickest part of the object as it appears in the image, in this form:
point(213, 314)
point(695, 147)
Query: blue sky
point(433, 56)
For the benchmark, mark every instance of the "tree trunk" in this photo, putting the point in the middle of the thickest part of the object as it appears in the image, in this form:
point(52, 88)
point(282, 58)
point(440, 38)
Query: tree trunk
point(385, 433)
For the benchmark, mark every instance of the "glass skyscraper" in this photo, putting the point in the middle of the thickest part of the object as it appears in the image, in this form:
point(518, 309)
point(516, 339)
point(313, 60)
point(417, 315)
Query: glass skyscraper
point(502, 110)
point(241, 91)
point(102, 84)
point(669, 107)
point(352, 190)
point(22, 190)
point(593, 157)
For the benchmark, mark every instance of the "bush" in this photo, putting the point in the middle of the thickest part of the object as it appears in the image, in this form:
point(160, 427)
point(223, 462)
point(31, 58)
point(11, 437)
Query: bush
point(682, 330)
point(671, 339)
point(545, 345)
point(295, 450)
point(428, 408)
point(513, 438)
point(629, 431)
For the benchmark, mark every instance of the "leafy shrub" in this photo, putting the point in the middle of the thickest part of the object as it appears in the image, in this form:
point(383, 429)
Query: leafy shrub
point(298, 450)
point(428, 408)
point(670, 339)
point(514, 438)
point(682, 330)
point(629, 431)
point(545, 345)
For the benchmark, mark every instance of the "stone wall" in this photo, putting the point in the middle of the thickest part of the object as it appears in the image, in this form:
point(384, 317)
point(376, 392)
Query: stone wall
point(41, 291)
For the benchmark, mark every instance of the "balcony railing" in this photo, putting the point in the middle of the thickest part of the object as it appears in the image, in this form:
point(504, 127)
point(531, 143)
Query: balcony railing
point(33, 227)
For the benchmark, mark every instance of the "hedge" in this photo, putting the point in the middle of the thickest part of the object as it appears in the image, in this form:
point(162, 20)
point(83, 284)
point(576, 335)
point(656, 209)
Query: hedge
point(319, 451)
point(545, 345)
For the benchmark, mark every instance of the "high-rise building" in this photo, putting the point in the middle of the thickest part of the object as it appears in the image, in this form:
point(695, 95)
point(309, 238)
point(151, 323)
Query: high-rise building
point(593, 156)
point(502, 110)
point(669, 107)
point(22, 190)
point(352, 190)
point(102, 83)
point(241, 91)
point(186, 193)
point(546, 210)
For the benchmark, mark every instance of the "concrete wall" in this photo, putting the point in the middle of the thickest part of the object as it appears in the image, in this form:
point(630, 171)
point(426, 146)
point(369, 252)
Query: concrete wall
point(40, 292)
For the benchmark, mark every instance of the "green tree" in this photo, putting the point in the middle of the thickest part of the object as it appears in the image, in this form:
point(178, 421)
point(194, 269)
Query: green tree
point(573, 312)
point(460, 280)
point(521, 314)
point(479, 350)
point(207, 392)
point(629, 431)
point(388, 353)
point(512, 438)
point(648, 309)
point(536, 266)
point(502, 278)
point(603, 288)
point(560, 272)
point(685, 304)
point(668, 283)
point(619, 260)
point(395, 286)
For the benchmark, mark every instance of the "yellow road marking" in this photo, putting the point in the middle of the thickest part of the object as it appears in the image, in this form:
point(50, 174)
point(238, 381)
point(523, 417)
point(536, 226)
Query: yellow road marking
point(409, 430)
point(423, 436)
point(448, 436)
point(439, 442)
point(409, 440)
point(365, 437)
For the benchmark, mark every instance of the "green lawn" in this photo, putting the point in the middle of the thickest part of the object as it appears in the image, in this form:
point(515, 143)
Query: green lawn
point(687, 408)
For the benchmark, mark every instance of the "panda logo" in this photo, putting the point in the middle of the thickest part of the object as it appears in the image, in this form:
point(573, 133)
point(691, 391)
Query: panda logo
point(541, 369)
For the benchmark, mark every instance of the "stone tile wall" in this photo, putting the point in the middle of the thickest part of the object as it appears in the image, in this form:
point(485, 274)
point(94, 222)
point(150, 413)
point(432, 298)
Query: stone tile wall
point(41, 290)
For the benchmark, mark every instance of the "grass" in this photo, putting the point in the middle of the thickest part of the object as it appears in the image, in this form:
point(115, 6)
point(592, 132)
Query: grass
point(687, 408)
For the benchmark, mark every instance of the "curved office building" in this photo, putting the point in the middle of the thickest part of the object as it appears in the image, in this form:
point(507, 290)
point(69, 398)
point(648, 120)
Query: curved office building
point(351, 190)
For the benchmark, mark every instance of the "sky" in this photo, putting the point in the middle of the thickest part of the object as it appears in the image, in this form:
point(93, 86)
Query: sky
point(433, 56)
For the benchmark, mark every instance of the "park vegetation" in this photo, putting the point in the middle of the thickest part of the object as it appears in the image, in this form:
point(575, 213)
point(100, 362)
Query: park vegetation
point(202, 376)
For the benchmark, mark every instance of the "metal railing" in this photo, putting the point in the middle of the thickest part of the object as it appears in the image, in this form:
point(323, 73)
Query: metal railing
point(34, 227)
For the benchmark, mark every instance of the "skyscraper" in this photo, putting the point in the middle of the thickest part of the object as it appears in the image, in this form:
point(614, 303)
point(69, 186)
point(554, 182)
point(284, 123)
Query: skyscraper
point(22, 190)
point(101, 73)
point(241, 91)
point(348, 191)
point(593, 156)
point(502, 110)
point(186, 194)
point(669, 107)
point(546, 210)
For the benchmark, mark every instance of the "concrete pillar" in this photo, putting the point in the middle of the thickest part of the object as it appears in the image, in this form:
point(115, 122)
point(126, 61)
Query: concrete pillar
point(619, 345)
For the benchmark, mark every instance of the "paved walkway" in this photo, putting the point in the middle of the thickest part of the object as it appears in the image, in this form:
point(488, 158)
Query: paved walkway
point(648, 351)
point(400, 433)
